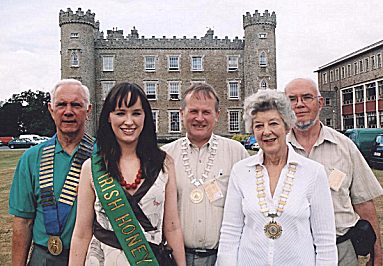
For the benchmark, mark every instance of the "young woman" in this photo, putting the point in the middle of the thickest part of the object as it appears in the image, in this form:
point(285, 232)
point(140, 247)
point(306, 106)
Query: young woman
point(129, 227)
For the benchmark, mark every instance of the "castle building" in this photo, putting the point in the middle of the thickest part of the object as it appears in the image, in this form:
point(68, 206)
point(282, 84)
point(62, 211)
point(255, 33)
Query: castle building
point(165, 67)
point(352, 87)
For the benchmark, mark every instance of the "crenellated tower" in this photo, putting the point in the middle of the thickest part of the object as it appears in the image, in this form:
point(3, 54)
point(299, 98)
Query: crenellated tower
point(78, 33)
point(259, 51)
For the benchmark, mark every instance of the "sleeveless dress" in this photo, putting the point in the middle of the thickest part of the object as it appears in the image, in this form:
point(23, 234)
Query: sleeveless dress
point(151, 201)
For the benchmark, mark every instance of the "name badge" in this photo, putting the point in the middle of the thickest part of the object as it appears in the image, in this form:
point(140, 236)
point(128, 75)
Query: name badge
point(213, 190)
point(335, 179)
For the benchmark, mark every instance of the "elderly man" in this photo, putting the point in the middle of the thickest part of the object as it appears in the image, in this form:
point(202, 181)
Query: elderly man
point(204, 161)
point(43, 193)
point(353, 185)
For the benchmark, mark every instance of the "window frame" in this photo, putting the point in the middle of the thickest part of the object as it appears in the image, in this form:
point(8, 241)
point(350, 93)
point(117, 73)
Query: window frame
point(107, 66)
point(193, 67)
point(230, 65)
point(146, 63)
point(238, 89)
point(170, 121)
point(146, 86)
point(174, 82)
point(262, 59)
point(231, 122)
point(72, 59)
point(106, 86)
point(155, 113)
point(177, 68)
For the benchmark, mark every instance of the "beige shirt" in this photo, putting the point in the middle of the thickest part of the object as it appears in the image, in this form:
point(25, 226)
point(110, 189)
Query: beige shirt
point(347, 169)
point(201, 222)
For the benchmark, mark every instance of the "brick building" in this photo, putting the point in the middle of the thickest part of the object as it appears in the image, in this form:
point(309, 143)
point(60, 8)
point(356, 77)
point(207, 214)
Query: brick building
point(165, 67)
point(352, 87)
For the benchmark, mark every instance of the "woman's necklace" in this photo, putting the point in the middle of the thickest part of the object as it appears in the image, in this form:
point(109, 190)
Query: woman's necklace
point(134, 184)
point(272, 229)
point(197, 194)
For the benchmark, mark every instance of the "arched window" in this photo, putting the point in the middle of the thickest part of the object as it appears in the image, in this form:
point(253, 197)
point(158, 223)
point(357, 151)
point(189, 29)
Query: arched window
point(74, 59)
point(262, 59)
point(263, 84)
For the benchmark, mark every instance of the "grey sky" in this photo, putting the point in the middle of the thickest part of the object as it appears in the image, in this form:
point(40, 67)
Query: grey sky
point(309, 33)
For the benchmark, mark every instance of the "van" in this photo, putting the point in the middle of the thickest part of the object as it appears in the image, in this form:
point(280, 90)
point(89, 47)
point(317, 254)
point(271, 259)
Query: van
point(364, 138)
point(33, 137)
point(376, 159)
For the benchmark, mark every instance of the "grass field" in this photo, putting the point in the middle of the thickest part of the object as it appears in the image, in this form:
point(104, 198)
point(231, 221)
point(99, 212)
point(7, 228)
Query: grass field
point(8, 161)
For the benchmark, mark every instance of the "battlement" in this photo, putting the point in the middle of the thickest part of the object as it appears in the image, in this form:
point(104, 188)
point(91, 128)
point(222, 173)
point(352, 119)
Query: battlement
point(78, 17)
point(257, 18)
point(116, 40)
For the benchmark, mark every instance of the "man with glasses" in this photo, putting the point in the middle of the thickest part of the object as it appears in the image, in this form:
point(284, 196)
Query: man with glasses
point(353, 185)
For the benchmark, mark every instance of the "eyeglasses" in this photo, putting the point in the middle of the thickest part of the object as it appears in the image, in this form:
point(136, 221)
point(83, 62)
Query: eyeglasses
point(306, 99)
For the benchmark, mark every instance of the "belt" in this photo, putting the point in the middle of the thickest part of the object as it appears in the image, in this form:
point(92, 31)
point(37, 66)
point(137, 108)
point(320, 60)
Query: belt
point(201, 252)
point(64, 253)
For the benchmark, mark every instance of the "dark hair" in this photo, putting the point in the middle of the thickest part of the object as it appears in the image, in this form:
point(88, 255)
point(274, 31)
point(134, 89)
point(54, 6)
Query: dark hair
point(151, 157)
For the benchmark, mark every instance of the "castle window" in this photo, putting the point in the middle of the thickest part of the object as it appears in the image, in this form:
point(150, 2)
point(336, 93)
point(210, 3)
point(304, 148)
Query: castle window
point(366, 64)
point(234, 120)
point(262, 35)
point(106, 86)
point(196, 63)
point(327, 101)
point(343, 72)
point(373, 62)
point(349, 70)
point(331, 76)
point(262, 59)
point(263, 84)
point(150, 63)
point(174, 63)
point(360, 66)
point(355, 68)
point(379, 60)
point(107, 63)
point(74, 35)
point(174, 121)
point(74, 62)
point(233, 87)
point(336, 74)
point(155, 119)
point(232, 63)
point(151, 90)
point(174, 90)
point(324, 78)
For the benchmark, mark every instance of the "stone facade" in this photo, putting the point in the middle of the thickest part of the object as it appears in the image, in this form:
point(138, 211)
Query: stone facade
point(353, 89)
point(165, 67)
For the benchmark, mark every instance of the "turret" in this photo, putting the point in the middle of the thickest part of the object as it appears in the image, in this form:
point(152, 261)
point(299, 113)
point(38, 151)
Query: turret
point(259, 51)
point(78, 33)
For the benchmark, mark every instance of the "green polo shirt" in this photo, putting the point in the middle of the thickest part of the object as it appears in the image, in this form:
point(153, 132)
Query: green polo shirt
point(24, 197)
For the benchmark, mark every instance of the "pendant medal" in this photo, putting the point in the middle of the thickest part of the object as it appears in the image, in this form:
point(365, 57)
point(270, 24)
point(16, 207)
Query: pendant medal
point(196, 195)
point(273, 230)
point(55, 245)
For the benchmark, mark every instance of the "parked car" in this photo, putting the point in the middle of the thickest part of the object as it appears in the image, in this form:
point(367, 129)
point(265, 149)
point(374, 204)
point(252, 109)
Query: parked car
point(364, 138)
point(249, 142)
point(21, 143)
point(376, 159)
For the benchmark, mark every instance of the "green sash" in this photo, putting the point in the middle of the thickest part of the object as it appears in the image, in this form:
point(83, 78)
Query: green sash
point(121, 216)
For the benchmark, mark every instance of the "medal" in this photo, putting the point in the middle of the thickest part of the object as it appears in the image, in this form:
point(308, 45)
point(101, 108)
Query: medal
point(273, 230)
point(196, 195)
point(55, 245)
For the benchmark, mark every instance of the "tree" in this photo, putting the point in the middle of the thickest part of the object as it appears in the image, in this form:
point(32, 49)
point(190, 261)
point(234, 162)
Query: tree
point(26, 112)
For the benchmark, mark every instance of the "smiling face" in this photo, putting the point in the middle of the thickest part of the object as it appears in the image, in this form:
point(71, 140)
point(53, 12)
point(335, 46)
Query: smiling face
point(69, 110)
point(270, 132)
point(306, 111)
point(199, 117)
point(127, 122)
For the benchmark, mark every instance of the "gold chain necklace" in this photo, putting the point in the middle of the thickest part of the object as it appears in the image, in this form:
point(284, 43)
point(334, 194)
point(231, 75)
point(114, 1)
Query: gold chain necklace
point(272, 229)
point(197, 194)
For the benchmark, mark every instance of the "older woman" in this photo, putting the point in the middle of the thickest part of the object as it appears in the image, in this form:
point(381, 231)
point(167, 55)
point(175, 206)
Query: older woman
point(278, 209)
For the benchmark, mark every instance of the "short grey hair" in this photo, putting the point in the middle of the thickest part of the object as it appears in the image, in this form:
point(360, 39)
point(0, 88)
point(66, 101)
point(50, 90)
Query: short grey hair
point(266, 100)
point(70, 82)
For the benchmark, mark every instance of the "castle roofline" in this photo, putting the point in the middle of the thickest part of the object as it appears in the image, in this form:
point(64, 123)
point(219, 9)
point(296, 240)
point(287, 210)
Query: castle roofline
point(353, 54)
point(257, 18)
point(79, 16)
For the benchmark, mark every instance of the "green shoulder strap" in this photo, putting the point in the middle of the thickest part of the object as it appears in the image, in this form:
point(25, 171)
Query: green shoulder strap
point(121, 216)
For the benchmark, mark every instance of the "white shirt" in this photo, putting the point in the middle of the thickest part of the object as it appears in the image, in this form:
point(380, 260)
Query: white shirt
point(308, 236)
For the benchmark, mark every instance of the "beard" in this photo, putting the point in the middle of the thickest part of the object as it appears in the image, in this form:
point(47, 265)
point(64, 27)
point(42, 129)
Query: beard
point(306, 125)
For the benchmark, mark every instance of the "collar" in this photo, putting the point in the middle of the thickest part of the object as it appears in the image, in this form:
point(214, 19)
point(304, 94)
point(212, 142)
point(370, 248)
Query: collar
point(59, 148)
point(292, 157)
point(207, 144)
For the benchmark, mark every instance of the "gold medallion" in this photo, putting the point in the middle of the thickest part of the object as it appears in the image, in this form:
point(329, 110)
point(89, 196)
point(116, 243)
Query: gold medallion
point(273, 230)
point(55, 245)
point(196, 195)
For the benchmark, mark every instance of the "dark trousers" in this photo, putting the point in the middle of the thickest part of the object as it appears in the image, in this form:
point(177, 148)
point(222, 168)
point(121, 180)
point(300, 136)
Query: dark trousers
point(41, 257)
